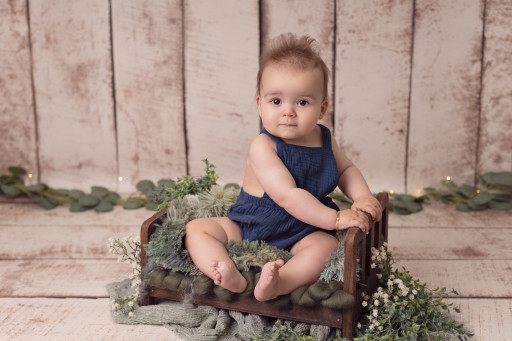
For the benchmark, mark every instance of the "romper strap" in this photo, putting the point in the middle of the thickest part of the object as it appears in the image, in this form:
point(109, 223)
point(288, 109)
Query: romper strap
point(276, 139)
point(326, 136)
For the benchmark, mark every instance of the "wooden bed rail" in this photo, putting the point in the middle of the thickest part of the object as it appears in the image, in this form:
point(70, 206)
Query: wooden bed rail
point(358, 278)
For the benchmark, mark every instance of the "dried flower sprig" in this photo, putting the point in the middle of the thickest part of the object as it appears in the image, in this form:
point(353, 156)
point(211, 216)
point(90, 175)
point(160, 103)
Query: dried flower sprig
point(404, 308)
point(128, 252)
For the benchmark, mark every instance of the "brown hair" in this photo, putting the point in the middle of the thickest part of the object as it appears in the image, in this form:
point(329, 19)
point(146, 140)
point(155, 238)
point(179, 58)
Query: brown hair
point(297, 52)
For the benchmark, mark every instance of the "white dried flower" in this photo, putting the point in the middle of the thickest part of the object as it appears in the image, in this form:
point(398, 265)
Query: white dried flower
point(364, 303)
point(359, 326)
point(380, 328)
point(376, 303)
point(375, 313)
point(373, 266)
point(130, 313)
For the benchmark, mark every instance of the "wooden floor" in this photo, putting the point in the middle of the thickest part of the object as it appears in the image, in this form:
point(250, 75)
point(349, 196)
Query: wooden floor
point(54, 266)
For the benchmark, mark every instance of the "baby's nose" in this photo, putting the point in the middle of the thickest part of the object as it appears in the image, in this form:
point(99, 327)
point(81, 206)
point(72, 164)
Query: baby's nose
point(288, 111)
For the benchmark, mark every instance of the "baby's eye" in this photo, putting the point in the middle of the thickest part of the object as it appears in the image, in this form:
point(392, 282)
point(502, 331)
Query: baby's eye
point(276, 101)
point(302, 102)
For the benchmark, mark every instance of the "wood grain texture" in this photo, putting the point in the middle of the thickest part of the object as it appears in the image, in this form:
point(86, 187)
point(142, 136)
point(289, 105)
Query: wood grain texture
point(60, 277)
point(73, 90)
point(373, 46)
point(445, 92)
point(33, 215)
point(221, 62)
point(495, 147)
point(301, 17)
point(17, 124)
point(471, 278)
point(147, 42)
point(472, 243)
point(488, 319)
point(44, 242)
point(70, 319)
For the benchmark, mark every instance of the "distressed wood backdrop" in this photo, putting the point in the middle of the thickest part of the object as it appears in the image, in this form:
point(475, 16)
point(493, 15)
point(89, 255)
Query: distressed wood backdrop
point(92, 90)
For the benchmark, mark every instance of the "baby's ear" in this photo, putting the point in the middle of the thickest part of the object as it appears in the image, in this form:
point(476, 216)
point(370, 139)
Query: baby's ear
point(325, 105)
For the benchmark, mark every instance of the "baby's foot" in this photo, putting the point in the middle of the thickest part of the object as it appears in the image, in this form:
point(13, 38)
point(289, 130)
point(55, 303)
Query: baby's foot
point(227, 276)
point(268, 285)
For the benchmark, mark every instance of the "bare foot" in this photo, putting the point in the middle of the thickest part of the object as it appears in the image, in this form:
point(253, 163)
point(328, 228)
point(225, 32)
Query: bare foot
point(228, 276)
point(268, 285)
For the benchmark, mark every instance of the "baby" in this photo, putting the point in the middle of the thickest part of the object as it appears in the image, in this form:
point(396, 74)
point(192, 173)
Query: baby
point(291, 168)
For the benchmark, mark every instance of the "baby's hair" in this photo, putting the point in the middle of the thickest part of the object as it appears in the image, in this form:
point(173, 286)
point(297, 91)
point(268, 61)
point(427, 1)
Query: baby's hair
point(288, 49)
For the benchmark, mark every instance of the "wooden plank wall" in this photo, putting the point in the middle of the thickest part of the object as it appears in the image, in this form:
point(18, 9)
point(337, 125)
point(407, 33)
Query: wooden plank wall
point(94, 90)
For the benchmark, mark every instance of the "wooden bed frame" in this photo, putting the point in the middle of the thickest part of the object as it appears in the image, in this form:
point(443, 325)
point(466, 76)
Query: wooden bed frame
point(357, 247)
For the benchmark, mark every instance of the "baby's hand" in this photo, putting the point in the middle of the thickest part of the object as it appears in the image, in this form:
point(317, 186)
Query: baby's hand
point(369, 205)
point(351, 218)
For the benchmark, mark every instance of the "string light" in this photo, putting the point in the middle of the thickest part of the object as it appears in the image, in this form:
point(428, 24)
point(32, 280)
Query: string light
point(391, 192)
point(448, 178)
point(30, 175)
point(120, 178)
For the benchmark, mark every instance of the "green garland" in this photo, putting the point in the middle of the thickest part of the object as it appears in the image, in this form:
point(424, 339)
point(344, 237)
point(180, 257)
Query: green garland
point(495, 193)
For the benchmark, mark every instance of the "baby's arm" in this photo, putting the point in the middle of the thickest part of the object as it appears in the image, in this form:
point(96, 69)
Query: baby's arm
point(279, 185)
point(353, 184)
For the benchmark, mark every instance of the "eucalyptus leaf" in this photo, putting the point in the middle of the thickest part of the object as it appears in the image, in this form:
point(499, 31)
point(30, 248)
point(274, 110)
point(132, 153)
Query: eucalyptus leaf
point(466, 190)
point(15, 170)
point(232, 185)
point(11, 190)
point(99, 192)
point(460, 206)
point(88, 200)
point(76, 207)
point(500, 205)
point(46, 203)
point(76, 194)
point(104, 206)
point(482, 198)
point(145, 186)
point(134, 203)
point(113, 198)
point(497, 179)
point(151, 205)
point(38, 188)
point(166, 183)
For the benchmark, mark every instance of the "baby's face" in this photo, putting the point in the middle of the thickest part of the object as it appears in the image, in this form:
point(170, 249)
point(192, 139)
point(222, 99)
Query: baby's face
point(291, 102)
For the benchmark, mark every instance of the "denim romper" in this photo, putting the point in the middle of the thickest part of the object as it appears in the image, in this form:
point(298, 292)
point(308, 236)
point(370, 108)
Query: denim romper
point(313, 169)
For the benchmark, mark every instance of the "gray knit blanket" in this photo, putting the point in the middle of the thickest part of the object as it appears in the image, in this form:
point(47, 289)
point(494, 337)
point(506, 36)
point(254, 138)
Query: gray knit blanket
point(203, 323)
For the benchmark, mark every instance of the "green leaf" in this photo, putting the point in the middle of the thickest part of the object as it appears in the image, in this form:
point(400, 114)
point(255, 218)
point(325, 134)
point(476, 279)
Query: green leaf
point(151, 205)
point(500, 205)
point(231, 185)
point(17, 170)
point(466, 190)
point(482, 198)
point(460, 206)
point(145, 186)
point(76, 194)
point(167, 183)
point(104, 206)
point(99, 192)
point(113, 198)
point(496, 179)
point(76, 207)
point(38, 188)
point(11, 190)
point(88, 200)
point(134, 203)
point(46, 203)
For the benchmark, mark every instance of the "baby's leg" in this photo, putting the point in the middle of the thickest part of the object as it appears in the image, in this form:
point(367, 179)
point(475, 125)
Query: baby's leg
point(206, 241)
point(309, 257)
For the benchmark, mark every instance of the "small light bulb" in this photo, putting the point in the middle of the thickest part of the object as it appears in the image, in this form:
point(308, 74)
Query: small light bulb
point(448, 178)
point(478, 191)
point(120, 178)
point(30, 175)
point(391, 192)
